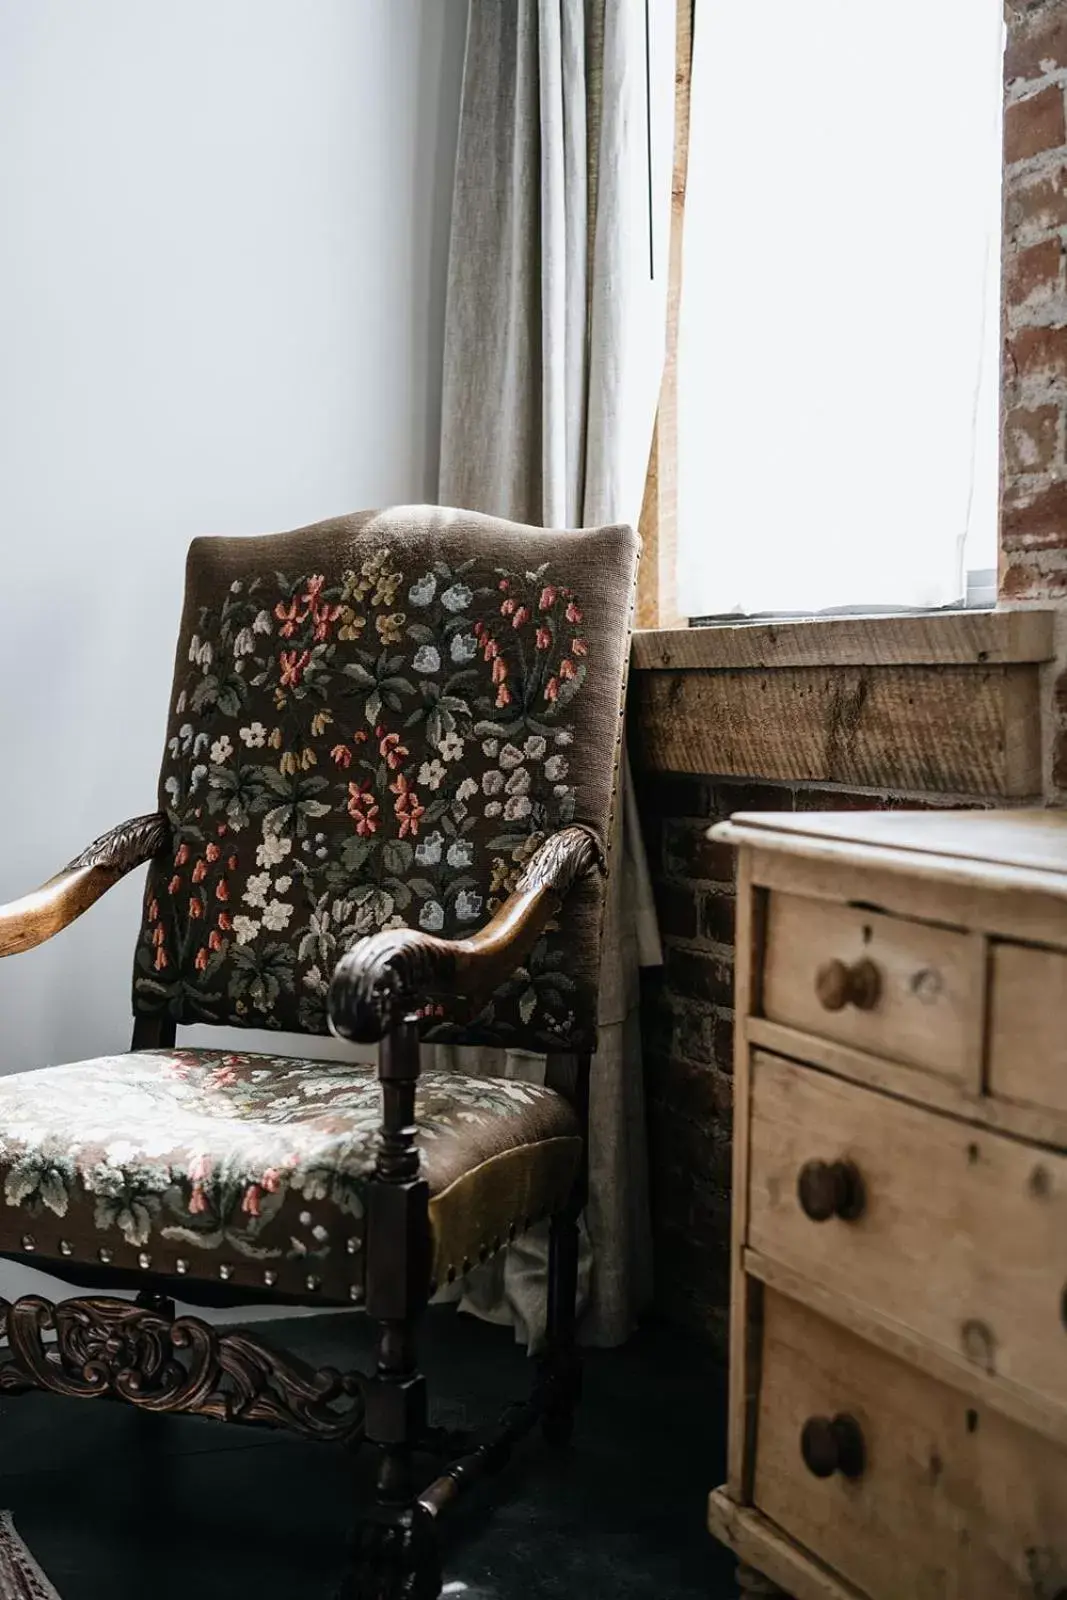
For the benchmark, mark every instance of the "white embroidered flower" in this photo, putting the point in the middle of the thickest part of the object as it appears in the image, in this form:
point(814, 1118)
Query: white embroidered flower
point(283, 885)
point(564, 736)
point(244, 643)
point(457, 598)
point(519, 782)
point(468, 905)
point(428, 850)
point(451, 747)
point(492, 781)
point(394, 922)
point(427, 658)
point(432, 916)
point(276, 916)
point(194, 647)
point(556, 768)
point(180, 704)
point(203, 655)
point(490, 747)
point(313, 979)
point(467, 789)
point(236, 586)
point(221, 750)
point(172, 788)
point(262, 622)
point(431, 774)
point(494, 808)
point(422, 592)
point(257, 889)
point(460, 853)
point(517, 808)
point(196, 777)
point(245, 928)
point(562, 790)
point(534, 748)
point(254, 736)
point(200, 743)
point(273, 851)
point(510, 757)
point(464, 648)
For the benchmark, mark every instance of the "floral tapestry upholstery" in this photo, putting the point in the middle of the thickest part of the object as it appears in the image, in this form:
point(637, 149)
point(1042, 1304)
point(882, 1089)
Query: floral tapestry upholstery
point(375, 722)
point(251, 1168)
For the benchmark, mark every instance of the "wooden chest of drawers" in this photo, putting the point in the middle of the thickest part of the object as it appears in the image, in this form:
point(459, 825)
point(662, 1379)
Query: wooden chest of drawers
point(898, 1360)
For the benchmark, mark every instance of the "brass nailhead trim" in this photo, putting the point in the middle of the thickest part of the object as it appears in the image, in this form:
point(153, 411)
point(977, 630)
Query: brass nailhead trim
point(65, 1247)
point(270, 1278)
point(144, 1260)
point(352, 1245)
point(181, 1266)
point(312, 1282)
point(354, 1292)
point(225, 1272)
point(105, 1255)
point(29, 1243)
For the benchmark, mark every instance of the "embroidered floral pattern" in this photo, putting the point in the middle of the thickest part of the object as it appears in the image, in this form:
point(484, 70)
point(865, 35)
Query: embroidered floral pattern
point(227, 1150)
point(358, 751)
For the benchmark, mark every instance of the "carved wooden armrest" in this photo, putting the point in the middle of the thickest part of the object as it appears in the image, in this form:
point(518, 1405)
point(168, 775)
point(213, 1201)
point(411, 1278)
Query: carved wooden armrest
point(37, 916)
point(390, 974)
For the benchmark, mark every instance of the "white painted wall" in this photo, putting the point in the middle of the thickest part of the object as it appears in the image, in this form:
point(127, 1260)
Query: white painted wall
point(223, 242)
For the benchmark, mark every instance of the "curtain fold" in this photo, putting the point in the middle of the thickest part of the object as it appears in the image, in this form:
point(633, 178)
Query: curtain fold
point(554, 349)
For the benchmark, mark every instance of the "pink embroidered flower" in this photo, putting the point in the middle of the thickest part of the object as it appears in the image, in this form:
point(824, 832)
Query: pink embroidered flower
point(222, 890)
point(407, 807)
point(341, 755)
point(271, 1180)
point(292, 665)
point(250, 1203)
point(552, 689)
point(521, 616)
point(196, 910)
point(197, 1199)
point(507, 607)
point(289, 616)
point(201, 958)
point(548, 597)
point(567, 669)
point(503, 584)
point(392, 751)
point(182, 856)
point(200, 871)
point(363, 808)
point(212, 852)
point(503, 697)
point(153, 910)
point(543, 638)
point(174, 885)
point(490, 648)
point(225, 921)
point(214, 940)
point(573, 612)
point(161, 959)
point(500, 670)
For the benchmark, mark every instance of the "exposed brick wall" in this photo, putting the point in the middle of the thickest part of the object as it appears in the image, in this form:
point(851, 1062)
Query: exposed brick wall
point(688, 1028)
point(1033, 533)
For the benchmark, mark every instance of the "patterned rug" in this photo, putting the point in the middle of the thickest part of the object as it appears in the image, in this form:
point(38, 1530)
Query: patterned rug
point(20, 1576)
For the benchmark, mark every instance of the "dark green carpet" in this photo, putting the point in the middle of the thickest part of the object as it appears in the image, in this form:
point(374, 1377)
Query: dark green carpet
point(119, 1505)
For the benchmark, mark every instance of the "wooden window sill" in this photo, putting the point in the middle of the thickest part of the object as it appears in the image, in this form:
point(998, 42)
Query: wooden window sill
point(946, 704)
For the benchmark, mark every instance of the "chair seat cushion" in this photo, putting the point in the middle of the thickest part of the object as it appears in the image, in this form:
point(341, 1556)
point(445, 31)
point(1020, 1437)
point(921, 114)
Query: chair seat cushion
point(252, 1168)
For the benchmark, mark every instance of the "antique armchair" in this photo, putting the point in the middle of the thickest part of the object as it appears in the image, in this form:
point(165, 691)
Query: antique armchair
point(384, 805)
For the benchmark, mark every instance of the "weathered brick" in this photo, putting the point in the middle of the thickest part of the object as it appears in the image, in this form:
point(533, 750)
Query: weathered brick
point(1034, 125)
point(1040, 352)
point(1036, 49)
point(722, 1040)
point(691, 1040)
point(689, 853)
point(1035, 519)
point(676, 908)
point(1032, 439)
point(1036, 205)
point(717, 917)
point(726, 798)
point(1059, 759)
point(1032, 276)
point(700, 976)
point(1022, 581)
point(837, 800)
point(700, 1092)
point(676, 1143)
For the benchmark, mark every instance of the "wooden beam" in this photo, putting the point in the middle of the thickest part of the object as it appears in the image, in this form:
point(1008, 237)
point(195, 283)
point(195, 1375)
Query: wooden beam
point(958, 637)
point(657, 587)
point(947, 730)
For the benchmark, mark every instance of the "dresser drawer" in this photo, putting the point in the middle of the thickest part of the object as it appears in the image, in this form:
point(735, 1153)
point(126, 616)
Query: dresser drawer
point(956, 1233)
point(1028, 1027)
point(899, 989)
point(946, 1500)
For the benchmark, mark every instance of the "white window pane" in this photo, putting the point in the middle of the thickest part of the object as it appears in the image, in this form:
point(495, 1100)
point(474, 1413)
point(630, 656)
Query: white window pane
point(838, 341)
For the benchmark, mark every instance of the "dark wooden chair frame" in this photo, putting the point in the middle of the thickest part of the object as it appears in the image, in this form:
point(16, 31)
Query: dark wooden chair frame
point(142, 1353)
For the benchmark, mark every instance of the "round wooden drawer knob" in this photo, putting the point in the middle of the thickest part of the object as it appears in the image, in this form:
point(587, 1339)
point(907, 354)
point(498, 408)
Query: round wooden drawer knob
point(828, 1189)
point(833, 1444)
point(838, 985)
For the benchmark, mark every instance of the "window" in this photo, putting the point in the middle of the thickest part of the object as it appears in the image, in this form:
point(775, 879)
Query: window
point(839, 328)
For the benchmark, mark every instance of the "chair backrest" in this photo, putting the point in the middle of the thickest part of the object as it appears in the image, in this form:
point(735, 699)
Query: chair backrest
point(375, 721)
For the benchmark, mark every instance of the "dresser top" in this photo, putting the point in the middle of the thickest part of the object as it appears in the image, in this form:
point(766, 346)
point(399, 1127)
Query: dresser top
point(1033, 843)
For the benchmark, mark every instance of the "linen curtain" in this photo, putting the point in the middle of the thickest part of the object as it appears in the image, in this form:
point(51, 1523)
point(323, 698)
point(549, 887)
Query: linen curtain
point(554, 351)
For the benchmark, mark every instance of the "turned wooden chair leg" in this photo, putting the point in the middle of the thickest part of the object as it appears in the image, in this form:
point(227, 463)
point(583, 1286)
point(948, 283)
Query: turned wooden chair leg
point(396, 1554)
point(561, 1369)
